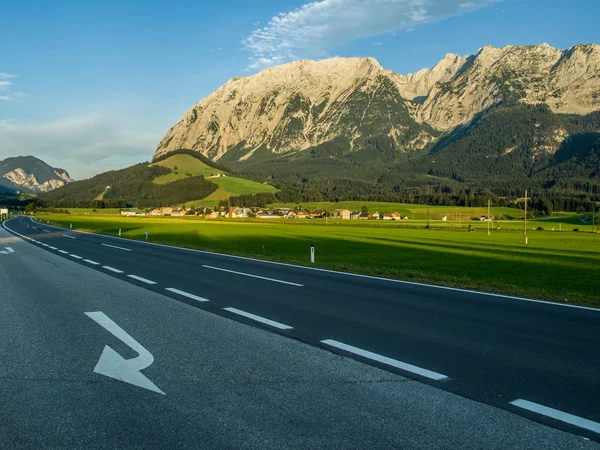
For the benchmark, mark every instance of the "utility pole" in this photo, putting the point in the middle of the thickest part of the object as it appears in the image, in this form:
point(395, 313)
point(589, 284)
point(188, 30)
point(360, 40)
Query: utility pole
point(489, 217)
point(525, 223)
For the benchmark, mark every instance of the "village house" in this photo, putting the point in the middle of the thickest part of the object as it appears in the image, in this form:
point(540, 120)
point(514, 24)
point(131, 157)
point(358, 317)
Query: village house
point(212, 215)
point(343, 214)
point(241, 212)
point(387, 217)
point(355, 215)
point(396, 216)
point(365, 216)
point(155, 212)
point(319, 213)
point(166, 211)
point(177, 212)
point(129, 212)
point(267, 215)
point(301, 214)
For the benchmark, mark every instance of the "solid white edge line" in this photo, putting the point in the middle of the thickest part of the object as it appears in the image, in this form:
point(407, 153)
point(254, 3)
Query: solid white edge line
point(385, 360)
point(186, 294)
point(93, 263)
point(143, 280)
point(52, 248)
point(45, 245)
point(112, 269)
point(349, 274)
point(118, 248)
point(75, 256)
point(558, 415)
point(253, 276)
point(260, 319)
point(63, 252)
point(70, 237)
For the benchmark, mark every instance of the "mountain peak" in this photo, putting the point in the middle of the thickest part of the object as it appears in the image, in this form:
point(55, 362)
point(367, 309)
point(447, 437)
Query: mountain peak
point(31, 174)
point(303, 104)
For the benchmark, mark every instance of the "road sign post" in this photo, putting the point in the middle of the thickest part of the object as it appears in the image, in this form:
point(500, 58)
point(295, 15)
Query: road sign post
point(120, 234)
point(312, 254)
point(147, 234)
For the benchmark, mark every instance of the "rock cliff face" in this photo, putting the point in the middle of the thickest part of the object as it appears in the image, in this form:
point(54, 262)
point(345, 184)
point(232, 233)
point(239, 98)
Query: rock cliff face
point(457, 88)
point(31, 175)
point(303, 104)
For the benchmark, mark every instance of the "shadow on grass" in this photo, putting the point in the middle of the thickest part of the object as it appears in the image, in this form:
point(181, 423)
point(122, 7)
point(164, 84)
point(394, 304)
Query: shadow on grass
point(405, 259)
point(574, 257)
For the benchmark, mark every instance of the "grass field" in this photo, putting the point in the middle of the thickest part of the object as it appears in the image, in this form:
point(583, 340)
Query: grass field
point(554, 266)
point(416, 212)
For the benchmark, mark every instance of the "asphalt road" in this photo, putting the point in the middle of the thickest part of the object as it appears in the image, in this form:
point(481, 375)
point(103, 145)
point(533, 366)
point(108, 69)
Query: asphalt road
point(257, 386)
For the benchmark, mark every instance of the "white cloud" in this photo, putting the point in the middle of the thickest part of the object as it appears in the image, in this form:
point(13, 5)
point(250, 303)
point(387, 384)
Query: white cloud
point(316, 27)
point(6, 92)
point(83, 146)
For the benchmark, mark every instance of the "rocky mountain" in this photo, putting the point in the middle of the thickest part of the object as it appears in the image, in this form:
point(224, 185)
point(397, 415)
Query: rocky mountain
point(31, 175)
point(306, 104)
point(297, 106)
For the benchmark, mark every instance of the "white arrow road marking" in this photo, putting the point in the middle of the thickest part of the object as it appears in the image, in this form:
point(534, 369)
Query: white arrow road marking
point(7, 251)
point(113, 365)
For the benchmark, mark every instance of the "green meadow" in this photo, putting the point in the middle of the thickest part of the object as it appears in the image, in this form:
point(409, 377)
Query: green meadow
point(562, 267)
point(185, 165)
point(232, 186)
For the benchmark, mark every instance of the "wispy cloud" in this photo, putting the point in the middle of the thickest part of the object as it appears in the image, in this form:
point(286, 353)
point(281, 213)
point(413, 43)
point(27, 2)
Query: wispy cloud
point(83, 146)
point(316, 27)
point(6, 92)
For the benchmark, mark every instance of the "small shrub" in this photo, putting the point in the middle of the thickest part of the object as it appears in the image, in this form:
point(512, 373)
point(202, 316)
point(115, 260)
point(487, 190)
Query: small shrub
point(575, 229)
point(540, 228)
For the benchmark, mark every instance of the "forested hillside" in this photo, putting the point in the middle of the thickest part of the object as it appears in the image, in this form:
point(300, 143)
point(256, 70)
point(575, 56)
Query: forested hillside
point(133, 186)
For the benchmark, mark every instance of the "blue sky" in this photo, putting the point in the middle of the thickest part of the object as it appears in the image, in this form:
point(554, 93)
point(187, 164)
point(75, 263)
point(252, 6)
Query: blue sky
point(91, 86)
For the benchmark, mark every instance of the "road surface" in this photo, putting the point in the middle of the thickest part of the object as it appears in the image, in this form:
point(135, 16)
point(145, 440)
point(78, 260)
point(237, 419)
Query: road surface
point(532, 368)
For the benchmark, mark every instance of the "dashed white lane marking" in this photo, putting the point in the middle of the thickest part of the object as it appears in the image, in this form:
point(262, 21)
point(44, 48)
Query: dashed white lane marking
point(45, 245)
point(75, 256)
point(187, 294)
point(385, 360)
point(52, 248)
point(143, 280)
point(253, 276)
point(63, 252)
point(260, 319)
point(118, 248)
point(558, 415)
point(93, 263)
point(112, 269)
point(45, 231)
point(70, 237)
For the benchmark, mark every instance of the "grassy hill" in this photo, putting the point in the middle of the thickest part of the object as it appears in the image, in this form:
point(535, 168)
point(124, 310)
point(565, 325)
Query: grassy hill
point(178, 178)
point(185, 165)
point(182, 166)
